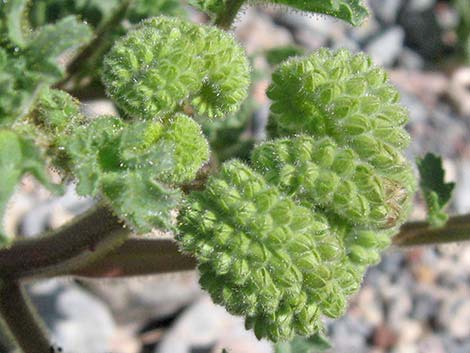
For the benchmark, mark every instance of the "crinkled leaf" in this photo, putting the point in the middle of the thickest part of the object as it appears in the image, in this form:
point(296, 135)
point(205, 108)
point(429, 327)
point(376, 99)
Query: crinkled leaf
point(53, 40)
point(313, 344)
point(113, 158)
point(18, 156)
point(26, 70)
point(94, 150)
point(13, 14)
point(351, 11)
point(18, 87)
point(437, 193)
point(140, 199)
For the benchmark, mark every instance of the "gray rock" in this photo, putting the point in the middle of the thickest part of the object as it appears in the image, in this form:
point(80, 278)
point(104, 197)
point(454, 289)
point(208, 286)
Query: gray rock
point(78, 321)
point(420, 5)
point(346, 43)
point(54, 212)
point(348, 336)
point(365, 31)
point(135, 301)
point(425, 306)
point(454, 316)
point(386, 47)
point(208, 325)
point(462, 188)
point(386, 10)
point(453, 345)
point(257, 31)
point(309, 39)
point(392, 262)
point(431, 344)
point(410, 60)
point(417, 111)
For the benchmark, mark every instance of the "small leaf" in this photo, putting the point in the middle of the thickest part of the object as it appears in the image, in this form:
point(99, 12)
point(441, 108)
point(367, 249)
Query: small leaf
point(18, 156)
point(313, 344)
point(140, 199)
point(132, 165)
point(351, 11)
point(14, 13)
point(436, 192)
point(51, 41)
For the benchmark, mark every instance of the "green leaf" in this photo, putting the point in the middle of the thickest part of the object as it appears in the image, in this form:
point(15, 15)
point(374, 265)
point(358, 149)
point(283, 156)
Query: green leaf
point(315, 343)
point(140, 199)
point(132, 165)
point(437, 193)
point(351, 11)
point(19, 156)
point(51, 41)
point(14, 16)
point(26, 70)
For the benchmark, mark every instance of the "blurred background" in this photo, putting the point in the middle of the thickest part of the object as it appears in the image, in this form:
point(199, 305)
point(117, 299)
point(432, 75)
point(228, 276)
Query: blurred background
point(416, 300)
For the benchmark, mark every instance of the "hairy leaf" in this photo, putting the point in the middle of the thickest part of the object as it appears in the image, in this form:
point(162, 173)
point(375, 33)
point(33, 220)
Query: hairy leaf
point(166, 61)
point(140, 199)
point(18, 156)
point(133, 164)
point(13, 14)
point(53, 40)
point(25, 71)
point(437, 193)
point(286, 240)
point(351, 11)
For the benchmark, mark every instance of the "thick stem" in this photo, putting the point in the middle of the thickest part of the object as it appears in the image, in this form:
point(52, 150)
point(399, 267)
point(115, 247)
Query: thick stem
point(75, 244)
point(21, 319)
point(420, 233)
point(138, 257)
point(225, 19)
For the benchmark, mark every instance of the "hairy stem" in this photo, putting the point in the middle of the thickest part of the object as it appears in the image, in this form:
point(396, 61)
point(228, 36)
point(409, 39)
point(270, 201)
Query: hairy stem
point(75, 244)
point(225, 18)
point(420, 233)
point(21, 319)
point(137, 257)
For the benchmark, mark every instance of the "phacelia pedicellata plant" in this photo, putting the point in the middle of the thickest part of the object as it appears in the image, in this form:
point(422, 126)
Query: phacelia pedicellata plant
point(281, 232)
point(287, 240)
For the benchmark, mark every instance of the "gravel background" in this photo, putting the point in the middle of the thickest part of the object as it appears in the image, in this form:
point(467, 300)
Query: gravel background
point(415, 300)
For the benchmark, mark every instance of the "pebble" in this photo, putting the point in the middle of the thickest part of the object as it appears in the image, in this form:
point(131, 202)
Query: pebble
point(425, 306)
point(346, 336)
point(386, 47)
point(267, 35)
point(410, 60)
point(459, 91)
point(454, 316)
point(205, 324)
point(135, 301)
point(79, 322)
point(386, 10)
